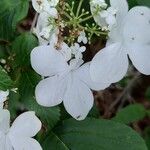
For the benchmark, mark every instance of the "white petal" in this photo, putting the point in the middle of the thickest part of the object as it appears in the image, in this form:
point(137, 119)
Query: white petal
point(78, 99)
point(25, 125)
point(50, 91)
point(137, 26)
point(3, 97)
point(43, 20)
point(5, 143)
point(111, 20)
point(83, 73)
point(100, 21)
point(66, 51)
point(25, 143)
point(75, 63)
point(122, 9)
point(8, 144)
point(109, 65)
point(52, 12)
point(47, 61)
point(2, 141)
point(4, 120)
point(39, 5)
point(140, 55)
point(115, 35)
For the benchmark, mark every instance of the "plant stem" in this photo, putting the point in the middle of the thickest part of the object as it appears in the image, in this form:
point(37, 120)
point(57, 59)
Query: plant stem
point(79, 8)
point(85, 19)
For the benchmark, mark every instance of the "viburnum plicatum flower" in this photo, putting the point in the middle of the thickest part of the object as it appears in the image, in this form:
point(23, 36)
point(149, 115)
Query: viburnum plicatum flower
point(67, 83)
point(19, 135)
point(3, 97)
point(82, 38)
point(77, 50)
point(46, 6)
point(46, 30)
point(129, 37)
point(97, 5)
point(105, 18)
point(109, 17)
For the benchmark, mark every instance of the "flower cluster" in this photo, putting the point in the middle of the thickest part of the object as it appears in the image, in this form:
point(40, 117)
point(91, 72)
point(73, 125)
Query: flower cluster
point(129, 36)
point(66, 78)
point(19, 135)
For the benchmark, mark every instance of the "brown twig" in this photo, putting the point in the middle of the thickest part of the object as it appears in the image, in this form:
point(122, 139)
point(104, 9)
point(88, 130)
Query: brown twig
point(126, 92)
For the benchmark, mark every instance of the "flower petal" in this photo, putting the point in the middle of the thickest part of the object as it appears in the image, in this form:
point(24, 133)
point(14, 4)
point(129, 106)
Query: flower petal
point(109, 65)
point(78, 99)
point(139, 55)
point(3, 97)
point(122, 9)
point(39, 5)
point(26, 125)
point(25, 143)
point(137, 26)
point(52, 12)
point(84, 75)
point(5, 143)
point(47, 61)
point(4, 120)
point(50, 91)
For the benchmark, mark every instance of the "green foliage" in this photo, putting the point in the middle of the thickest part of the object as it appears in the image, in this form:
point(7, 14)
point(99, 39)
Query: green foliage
point(11, 13)
point(93, 134)
point(14, 104)
point(48, 116)
point(5, 80)
point(147, 137)
point(147, 93)
point(144, 2)
point(131, 113)
point(22, 47)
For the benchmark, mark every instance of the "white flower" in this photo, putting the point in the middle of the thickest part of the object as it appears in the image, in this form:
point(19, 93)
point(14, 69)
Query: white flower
point(66, 51)
point(3, 97)
point(82, 38)
point(19, 135)
point(46, 6)
point(39, 5)
point(130, 37)
point(45, 30)
point(109, 16)
point(77, 50)
point(69, 83)
point(104, 18)
point(98, 4)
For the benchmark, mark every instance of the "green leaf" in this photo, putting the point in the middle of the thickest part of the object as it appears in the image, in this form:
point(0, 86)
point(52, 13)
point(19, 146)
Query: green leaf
point(94, 134)
point(11, 12)
point(131, 113)
point(144, 2)
point(53, 142)
point(13, 104)
point(22, 47)
point(132, 3)
point(48, 116)
point(5, 80)
point(147, 137)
